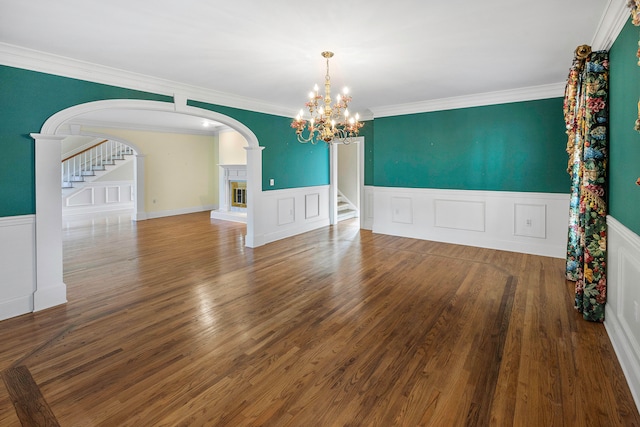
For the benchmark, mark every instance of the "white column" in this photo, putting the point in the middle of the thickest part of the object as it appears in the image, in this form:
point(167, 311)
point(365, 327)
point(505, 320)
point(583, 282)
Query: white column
point(255, 228)
point(50, 288)
point(140, 213)
point(333, 184)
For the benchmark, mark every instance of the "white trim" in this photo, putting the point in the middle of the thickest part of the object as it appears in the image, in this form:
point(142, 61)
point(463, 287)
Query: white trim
point(623, 260)
point(532, 93)
point(20, 57)
point(50, 289)
point(613, 20)
point(13, 221)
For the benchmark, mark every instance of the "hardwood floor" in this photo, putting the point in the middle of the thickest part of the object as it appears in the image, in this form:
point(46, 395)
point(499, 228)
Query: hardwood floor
point(174, 322)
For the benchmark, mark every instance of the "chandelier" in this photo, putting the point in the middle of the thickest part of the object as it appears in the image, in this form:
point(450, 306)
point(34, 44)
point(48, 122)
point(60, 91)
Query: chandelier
point(328, 123)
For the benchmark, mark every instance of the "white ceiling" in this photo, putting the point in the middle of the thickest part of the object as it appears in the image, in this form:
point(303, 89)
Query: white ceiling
point(389, 53)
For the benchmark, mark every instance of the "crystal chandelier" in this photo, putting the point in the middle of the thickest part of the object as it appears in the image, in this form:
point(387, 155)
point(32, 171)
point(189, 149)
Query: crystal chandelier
point(328, 123)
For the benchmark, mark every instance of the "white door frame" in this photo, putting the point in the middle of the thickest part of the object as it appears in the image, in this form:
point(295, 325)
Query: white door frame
point(333, 180)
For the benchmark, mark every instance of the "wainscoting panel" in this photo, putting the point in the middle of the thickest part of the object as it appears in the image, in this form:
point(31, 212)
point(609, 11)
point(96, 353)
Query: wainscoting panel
point(312, 205)
point(534, 223)
point(17, 265)
point(278, 208)
point(83, 197)
point(401, 210)
point(622, 311)
point(460, 215)
point(112, 194)
point(530, 220)
point(286, 211)
point(98, 197)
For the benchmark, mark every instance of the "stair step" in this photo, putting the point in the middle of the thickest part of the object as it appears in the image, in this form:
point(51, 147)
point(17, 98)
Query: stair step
point(347, 214)
point(342, 206)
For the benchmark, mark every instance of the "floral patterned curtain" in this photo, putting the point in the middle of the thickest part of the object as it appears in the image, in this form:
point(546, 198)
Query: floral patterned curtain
point(586, 117)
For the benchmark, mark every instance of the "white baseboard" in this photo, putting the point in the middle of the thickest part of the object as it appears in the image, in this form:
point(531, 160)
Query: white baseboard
point(50, 296)
point(182, 211)
point(623, 293)
point(229, 216)
point(534, 223)
point(16, 307)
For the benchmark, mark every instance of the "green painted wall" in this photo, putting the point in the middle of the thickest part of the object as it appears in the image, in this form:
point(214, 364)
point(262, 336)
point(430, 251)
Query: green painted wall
point(289, 163)
point(27, 100)
point(367, 132)
point(624, 161)
point(507, 147)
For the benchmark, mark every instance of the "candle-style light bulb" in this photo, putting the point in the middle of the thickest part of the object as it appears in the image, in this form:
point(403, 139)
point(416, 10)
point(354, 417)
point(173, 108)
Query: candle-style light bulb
point(346, 112)
point(345, 90)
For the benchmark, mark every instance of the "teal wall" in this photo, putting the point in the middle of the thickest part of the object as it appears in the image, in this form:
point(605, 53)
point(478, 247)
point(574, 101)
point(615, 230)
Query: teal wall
point(624, 161)
point(289, 163)
point(507, 147)
point(367, 132)
point(27, 100)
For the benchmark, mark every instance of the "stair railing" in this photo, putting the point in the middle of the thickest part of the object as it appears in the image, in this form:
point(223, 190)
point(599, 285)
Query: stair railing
point(86, 162)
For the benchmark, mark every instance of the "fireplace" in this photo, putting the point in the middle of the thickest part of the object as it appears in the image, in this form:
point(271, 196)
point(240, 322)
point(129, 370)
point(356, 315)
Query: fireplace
point(238, 194)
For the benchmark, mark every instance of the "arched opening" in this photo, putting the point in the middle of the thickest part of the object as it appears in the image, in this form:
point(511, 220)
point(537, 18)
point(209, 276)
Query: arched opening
point(50, 288)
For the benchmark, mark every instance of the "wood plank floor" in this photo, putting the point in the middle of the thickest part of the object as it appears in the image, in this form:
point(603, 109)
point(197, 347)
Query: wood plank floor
point(174, 322)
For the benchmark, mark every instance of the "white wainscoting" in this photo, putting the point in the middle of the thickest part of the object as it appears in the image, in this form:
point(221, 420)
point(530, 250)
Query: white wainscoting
point(98, 197)
point(622, 311)
point(366, 208)
point(534, 223)
point(288, 212)
point(17, 265)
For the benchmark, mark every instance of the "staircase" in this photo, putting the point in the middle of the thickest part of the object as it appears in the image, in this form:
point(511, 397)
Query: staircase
point(346, 209)
point(90, 163)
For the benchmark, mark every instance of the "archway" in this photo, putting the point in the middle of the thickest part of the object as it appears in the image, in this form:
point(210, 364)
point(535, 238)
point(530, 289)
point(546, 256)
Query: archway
point(50, 288)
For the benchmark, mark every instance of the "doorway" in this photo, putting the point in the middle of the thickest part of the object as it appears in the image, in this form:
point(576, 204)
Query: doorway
point(347, 181)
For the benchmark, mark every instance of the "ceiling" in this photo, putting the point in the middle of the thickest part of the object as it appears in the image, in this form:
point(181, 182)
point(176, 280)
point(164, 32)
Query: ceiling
point(388, 53)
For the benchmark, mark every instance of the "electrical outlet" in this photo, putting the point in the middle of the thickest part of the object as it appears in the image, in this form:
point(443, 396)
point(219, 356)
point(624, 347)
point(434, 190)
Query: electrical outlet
point(528, 222)
point(272, 182)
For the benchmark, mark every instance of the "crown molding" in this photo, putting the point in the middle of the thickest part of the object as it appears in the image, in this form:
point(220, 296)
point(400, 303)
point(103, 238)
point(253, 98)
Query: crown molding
point(476, 100)
point(20, 57)
point(615, 16)
point(211, 131)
